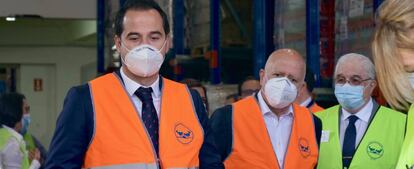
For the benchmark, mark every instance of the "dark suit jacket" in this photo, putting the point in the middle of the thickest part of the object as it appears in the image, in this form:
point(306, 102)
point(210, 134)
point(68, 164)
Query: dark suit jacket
point(221, 124)
point(75, 127)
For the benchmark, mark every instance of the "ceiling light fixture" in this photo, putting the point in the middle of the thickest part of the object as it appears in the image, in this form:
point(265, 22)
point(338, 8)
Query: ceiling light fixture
point(11, 18)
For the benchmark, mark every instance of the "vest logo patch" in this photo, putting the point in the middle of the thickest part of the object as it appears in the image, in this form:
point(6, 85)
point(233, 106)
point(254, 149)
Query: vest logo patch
point(304, 147)
point(183, 134)
point(375, 150)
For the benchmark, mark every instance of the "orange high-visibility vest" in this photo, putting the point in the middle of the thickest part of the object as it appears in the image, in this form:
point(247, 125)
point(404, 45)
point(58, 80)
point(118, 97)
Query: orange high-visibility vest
point(121, 140)
point(315, 108)
point(252, 147)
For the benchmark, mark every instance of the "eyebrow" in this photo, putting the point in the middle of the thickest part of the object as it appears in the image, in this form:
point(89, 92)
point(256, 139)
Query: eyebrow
point(353, 76)
point(132, 34)
point(138, 34)
point(357, 76)
point(275, 73)
point(291, 77)
point(156, 33)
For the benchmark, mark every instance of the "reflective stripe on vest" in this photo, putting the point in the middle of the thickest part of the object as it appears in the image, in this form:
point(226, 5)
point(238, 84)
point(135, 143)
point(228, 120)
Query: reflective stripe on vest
point(407, 151)
point(5, 136)
point(252, 147)
point(120, 137)
point(379, 147)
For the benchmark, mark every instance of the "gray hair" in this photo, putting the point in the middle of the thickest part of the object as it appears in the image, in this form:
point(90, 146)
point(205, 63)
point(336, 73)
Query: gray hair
point(365, 61)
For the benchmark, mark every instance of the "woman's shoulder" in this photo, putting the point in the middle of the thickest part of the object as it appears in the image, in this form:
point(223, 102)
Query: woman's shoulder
point(10, 139)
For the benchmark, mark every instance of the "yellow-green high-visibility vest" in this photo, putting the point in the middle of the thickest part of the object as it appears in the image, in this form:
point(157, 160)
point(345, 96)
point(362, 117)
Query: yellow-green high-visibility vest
point(5, 136)
point(30, 144)
point(379, 148)
point(407, 152)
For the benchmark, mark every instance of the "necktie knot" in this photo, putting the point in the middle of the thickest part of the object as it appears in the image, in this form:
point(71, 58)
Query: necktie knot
point(352, 119)
point(144, 94)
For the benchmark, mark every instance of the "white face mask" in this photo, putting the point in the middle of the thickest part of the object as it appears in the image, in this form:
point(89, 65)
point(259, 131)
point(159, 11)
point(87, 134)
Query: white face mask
point(280, 92)
point(143, 60)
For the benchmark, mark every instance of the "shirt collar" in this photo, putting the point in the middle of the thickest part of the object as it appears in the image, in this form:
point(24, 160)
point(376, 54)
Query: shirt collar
point(264, 108)
point(131, 86)
point(364, 114)
point(306, 102)
point(13, 132)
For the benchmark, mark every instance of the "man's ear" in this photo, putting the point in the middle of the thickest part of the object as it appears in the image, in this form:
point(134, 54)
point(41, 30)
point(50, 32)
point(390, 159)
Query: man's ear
point(168, 43)
point(301, 88)
point(18, 126)
point(118, 44)
point(262, 76)
point(373, 85)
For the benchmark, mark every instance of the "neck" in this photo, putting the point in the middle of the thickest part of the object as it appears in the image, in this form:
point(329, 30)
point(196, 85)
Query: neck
point(145, 81)
point(280, 112)
point(302, 97)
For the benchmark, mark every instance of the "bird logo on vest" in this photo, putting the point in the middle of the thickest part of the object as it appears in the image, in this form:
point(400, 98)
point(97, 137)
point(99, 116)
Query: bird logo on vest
point(375, 150)
point(304, 147)
point(183, 134)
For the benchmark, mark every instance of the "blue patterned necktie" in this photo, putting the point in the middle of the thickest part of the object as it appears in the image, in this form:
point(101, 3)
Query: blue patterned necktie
point(149, 114)
point(348, 147)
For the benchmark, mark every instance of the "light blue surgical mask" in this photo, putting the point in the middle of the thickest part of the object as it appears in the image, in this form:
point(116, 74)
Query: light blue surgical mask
point(350, 97)
point(411, 79)
point(25, 123)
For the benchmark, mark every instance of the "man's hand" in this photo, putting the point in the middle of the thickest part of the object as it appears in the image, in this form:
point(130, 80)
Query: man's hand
point(34, 155)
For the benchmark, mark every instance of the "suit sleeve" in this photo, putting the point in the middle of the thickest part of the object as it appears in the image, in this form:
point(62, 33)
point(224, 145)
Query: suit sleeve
point(221, 126)
point(73, 131)
point(209, 158)
point(318, 129)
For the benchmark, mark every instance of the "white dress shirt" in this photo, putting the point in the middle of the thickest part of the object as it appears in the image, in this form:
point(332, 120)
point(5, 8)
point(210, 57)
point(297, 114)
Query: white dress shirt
point(132, 86)
point(306, 102)
point(10, 156)
point(361, 124)
point(279, 129)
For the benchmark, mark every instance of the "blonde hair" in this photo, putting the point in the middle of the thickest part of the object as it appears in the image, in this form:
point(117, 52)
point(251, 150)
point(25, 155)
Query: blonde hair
point(395, 23)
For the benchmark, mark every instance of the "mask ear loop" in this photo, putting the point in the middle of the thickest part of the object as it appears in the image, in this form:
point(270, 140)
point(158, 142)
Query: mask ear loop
point(124, 46)
point(165, 42)
point(266, 79)
point(123, 58)
point(159, 51)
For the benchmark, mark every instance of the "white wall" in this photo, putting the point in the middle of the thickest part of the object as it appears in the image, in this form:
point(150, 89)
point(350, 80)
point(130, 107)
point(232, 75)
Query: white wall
point(42, 102)
point(60, 67)
point(73, 9)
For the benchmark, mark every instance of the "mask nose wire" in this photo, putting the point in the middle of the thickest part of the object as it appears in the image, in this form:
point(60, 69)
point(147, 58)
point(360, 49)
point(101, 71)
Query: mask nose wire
point(123, 58)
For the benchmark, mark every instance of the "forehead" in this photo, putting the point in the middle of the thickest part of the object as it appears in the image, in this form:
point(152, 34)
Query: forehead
point(287, 66)
point(352, 68)
point(142, 21)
